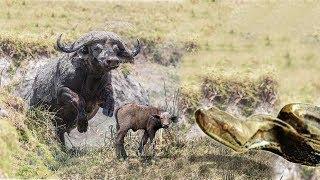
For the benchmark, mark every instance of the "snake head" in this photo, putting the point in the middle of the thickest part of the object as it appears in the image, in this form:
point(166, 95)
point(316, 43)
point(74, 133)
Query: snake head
point(220, 126)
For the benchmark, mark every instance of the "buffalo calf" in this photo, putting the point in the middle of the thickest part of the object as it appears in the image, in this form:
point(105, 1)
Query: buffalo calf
point(134, 116)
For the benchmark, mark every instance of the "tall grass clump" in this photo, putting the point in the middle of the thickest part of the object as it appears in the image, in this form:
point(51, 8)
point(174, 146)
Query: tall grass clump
point(27, 144)
point(20, 48)
point(190, 98)
point(225, 88)
point(244, 92)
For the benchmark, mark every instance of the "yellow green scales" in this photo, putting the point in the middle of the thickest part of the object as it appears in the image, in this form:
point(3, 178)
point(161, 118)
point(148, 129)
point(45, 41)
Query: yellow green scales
point(294, 134)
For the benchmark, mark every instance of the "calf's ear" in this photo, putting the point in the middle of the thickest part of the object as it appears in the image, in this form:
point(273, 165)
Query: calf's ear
point(156, 119)
point(155, 116)
point(174, 119)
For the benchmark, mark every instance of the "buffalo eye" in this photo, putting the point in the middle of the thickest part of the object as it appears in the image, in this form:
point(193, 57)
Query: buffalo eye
point(84, 50)
point(98, 48)
point(115, 49)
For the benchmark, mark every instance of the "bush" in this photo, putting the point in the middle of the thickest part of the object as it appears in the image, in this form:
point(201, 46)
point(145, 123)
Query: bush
point(167, 54)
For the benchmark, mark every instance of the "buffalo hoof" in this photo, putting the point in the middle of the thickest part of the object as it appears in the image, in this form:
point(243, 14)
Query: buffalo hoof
point(122, 157)
point(125, 157)
point(82, 127)
point(107, 112)
point(140, 153)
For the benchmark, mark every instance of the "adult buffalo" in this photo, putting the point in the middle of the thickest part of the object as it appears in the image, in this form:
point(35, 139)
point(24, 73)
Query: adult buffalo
point(77, 83)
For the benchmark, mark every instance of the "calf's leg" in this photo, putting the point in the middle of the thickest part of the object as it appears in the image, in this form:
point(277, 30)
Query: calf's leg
point(144, 140)
point(120, 151)
point(152, 134)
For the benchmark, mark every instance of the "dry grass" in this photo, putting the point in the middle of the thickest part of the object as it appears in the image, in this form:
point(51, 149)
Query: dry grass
point(225, 88)
point(198, 159)
point(252, 36)
point(244, 92)
point(235, 42)
point(31, 151)
point(35, 25)
point(243, 35)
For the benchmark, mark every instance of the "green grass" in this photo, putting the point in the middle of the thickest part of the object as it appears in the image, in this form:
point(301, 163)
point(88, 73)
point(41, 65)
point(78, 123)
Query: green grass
point(28, 150)
point(24, 147)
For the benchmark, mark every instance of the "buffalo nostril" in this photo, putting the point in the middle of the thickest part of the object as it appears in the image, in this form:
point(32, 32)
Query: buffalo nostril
point(112, 63)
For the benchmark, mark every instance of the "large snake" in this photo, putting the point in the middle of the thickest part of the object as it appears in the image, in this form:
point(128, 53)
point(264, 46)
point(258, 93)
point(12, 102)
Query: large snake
point(294, 134)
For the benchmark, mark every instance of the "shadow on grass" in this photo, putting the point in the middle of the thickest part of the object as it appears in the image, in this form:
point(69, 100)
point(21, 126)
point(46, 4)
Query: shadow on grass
point(235, 165)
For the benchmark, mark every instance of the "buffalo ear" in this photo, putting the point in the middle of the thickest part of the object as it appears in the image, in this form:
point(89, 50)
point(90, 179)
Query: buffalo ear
point(174, 119)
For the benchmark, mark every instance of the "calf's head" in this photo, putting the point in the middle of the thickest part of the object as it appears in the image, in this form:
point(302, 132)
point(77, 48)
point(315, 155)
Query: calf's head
point(101, 50)
point(165, 119)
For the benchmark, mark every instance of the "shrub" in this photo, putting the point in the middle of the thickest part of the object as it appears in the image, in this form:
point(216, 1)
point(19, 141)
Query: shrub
point(167, 53)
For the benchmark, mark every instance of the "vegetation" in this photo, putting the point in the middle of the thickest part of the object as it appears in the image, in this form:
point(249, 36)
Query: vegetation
point(126, 69)
point(224, 47)
point(241, 95)
point(174, 160)
point(241, 91)
point(27, 149)
point(226, 35)
point(32, 151)
point(30, 28)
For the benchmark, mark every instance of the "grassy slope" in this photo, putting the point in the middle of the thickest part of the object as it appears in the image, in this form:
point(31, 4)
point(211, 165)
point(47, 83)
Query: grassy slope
point(23, 149)
point(258, 38)
point(281, 37)
point(27, 150)
point(34, 25)
point(243, 36)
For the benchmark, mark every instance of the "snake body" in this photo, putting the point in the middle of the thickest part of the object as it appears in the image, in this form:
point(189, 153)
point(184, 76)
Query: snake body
point(294, 134)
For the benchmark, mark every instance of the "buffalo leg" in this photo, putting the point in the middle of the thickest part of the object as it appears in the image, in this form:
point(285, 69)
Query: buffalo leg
point(120, 151)
point(60, 133)
point(82, 125)
point(68, 98)
point(144, 140)
point(107, 96)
